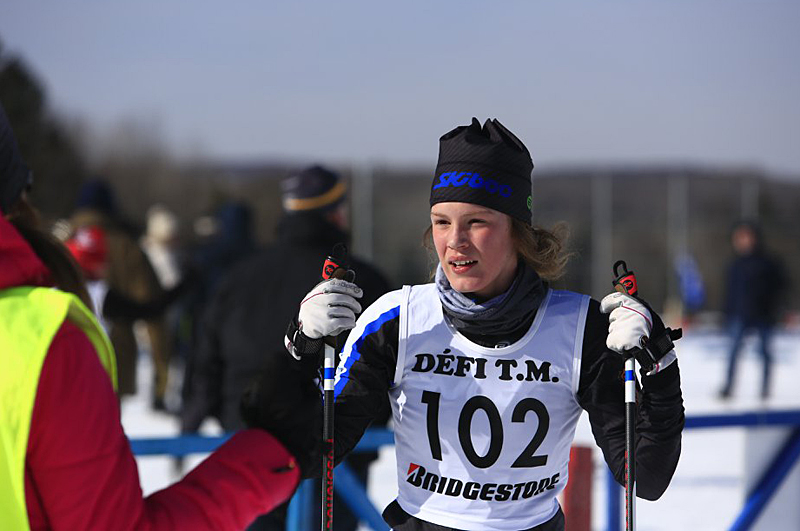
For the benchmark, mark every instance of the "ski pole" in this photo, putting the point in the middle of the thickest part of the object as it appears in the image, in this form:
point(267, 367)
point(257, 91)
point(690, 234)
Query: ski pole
point(625, 282)
point(335, 266)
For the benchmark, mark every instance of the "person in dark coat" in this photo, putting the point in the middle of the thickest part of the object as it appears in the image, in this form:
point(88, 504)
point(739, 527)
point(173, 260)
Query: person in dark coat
point(245, 321)
point(755, 280)
point(229, 241)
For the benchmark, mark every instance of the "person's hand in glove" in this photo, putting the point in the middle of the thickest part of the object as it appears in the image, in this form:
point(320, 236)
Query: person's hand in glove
point(631, 325)
point(326, 311)
point(284, 403)
point(329, 309)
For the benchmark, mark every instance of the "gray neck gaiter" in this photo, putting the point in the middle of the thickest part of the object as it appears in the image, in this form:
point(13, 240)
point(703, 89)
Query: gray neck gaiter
point(499, 315)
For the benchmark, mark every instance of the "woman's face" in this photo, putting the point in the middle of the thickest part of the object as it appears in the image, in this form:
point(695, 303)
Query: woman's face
point(475, 247)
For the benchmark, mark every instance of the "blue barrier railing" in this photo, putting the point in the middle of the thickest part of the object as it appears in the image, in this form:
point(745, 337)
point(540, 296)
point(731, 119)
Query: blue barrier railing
point(177, 446)
point(348, 486)
point(354, 493)
point(767, 485)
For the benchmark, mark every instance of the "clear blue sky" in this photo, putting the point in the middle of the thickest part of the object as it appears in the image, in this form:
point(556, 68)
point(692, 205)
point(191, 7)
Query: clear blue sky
point(711, 82)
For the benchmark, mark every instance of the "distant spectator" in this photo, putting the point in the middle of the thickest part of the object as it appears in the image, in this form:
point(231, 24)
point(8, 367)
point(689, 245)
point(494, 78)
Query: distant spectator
point(230, 240)
point(90, 249)
point(245, 322)
point(130, 273)
point(167, 253)
point(161, 244)
point(226, 238)
point(692, 287)
point(755, 280)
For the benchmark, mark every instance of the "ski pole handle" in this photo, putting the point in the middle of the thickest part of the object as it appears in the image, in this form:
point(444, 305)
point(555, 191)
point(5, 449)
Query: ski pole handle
point(625, 281)
point(336, 265)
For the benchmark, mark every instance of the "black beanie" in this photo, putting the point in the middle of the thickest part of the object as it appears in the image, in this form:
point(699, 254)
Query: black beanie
point(313, 189)
point(96, 194)
point(14, 174)
point(487, 166)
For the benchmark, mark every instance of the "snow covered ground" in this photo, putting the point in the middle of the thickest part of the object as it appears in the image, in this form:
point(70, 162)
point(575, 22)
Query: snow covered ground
point(709, 486)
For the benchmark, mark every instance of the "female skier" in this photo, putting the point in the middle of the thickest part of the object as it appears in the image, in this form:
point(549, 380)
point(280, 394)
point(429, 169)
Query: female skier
point(488, 368)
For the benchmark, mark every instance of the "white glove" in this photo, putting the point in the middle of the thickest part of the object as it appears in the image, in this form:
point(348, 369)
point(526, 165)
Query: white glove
point(629, 322)
point(329, 309)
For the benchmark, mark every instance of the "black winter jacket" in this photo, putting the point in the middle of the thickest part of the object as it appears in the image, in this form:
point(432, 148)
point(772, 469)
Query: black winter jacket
point(754, 285)
point(245, 321)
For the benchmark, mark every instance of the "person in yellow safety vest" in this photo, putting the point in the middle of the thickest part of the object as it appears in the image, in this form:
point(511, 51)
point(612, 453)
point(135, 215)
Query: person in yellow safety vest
point(65, 462)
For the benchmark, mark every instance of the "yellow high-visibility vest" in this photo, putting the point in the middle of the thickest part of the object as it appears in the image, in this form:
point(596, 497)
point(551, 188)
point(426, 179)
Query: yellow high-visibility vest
point(29, 320)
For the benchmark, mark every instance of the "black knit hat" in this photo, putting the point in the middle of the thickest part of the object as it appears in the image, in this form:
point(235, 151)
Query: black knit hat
point(487, 166)
point(315, 188)
point(14, 174)
point(97, 194)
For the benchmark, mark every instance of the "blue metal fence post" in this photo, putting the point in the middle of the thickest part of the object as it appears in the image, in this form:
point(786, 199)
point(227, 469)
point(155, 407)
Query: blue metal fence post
point(769, 483)
point(614, 492)
point(298, 516)
point(355, 496)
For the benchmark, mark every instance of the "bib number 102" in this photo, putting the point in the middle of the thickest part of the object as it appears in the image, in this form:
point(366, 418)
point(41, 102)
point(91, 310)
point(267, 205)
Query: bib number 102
point(528, 457)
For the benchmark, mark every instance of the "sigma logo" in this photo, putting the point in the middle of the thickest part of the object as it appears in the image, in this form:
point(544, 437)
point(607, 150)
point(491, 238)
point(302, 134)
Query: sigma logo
point(473, 180)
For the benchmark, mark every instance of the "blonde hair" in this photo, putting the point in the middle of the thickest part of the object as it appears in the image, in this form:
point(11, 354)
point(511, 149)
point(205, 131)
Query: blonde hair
point(541, 249)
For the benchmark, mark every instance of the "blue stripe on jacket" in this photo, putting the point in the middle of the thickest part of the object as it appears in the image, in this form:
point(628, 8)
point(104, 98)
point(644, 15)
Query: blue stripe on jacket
point(355, 353)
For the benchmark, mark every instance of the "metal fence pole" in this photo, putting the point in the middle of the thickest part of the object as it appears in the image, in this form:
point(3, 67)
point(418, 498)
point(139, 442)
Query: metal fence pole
point(613, 503)
point(362, 211)
point(602, 232)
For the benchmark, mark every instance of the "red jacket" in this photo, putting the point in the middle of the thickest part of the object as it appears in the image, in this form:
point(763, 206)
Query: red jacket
point(80, 472)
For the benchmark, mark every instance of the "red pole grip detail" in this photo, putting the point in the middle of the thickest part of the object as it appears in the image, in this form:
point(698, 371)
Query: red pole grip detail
point(628, 283)
point(329, 267)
